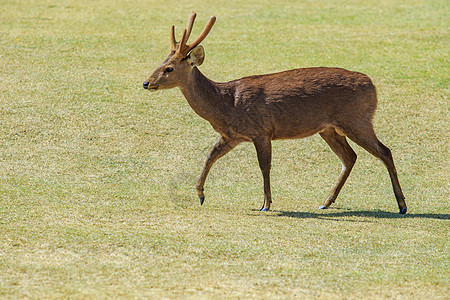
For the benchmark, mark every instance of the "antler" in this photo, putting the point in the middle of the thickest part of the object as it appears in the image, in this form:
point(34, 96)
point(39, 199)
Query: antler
point(190, 23)
point(173, 42)
point(183, 48)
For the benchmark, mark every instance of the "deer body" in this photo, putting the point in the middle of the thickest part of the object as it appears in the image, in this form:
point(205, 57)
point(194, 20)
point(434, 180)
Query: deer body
point(285, 105)
point(334, 102)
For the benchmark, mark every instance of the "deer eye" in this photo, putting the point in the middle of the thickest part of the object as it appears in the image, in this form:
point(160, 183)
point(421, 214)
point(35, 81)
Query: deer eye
point(169, 69)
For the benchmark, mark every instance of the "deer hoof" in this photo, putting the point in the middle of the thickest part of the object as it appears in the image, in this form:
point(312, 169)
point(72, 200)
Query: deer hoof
point(202, 199)
point(323, 207)
point(403, 210)
point(264, 209)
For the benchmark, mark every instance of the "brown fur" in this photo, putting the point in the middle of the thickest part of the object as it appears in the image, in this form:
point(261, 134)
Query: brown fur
point(292, 104)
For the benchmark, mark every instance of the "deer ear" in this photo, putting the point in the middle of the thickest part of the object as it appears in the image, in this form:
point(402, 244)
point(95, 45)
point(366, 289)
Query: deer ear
point(196, 56)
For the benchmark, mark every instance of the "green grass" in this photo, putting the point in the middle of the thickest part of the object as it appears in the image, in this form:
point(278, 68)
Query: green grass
point(97, 176)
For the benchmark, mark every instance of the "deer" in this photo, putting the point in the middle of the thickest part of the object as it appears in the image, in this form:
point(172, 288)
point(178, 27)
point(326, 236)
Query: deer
point(334, 102)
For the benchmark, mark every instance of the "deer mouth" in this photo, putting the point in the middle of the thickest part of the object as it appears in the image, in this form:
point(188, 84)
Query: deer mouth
point(153, 88)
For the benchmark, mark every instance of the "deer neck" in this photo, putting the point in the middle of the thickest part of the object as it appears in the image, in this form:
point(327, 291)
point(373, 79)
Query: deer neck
point(206, 98)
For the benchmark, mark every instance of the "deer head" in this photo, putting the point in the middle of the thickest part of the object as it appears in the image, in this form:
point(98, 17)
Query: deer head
point(183, 57)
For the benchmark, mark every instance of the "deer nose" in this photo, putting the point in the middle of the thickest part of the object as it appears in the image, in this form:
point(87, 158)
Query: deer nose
point(146, 85)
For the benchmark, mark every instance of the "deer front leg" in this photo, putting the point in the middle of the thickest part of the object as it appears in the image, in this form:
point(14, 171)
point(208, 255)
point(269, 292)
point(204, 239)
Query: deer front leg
point(264, 151)
point(222, 147)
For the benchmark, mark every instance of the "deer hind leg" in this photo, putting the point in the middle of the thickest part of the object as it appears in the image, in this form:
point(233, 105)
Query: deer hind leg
point(366, 138)
point(264, 152)
point(342, 149)
point(222, 147)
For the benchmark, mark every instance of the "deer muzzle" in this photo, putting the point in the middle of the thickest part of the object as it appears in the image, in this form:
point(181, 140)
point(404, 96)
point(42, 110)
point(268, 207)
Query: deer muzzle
point(147, 86)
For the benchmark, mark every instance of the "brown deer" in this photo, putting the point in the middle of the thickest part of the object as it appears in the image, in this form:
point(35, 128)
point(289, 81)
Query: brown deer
point(334, 102)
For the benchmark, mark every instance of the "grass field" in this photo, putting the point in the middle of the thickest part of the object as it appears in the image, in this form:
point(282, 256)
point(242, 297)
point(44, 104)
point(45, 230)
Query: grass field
point(97, 176)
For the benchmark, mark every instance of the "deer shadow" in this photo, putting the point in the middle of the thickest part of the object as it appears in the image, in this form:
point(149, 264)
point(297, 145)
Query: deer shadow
point(337, 214)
